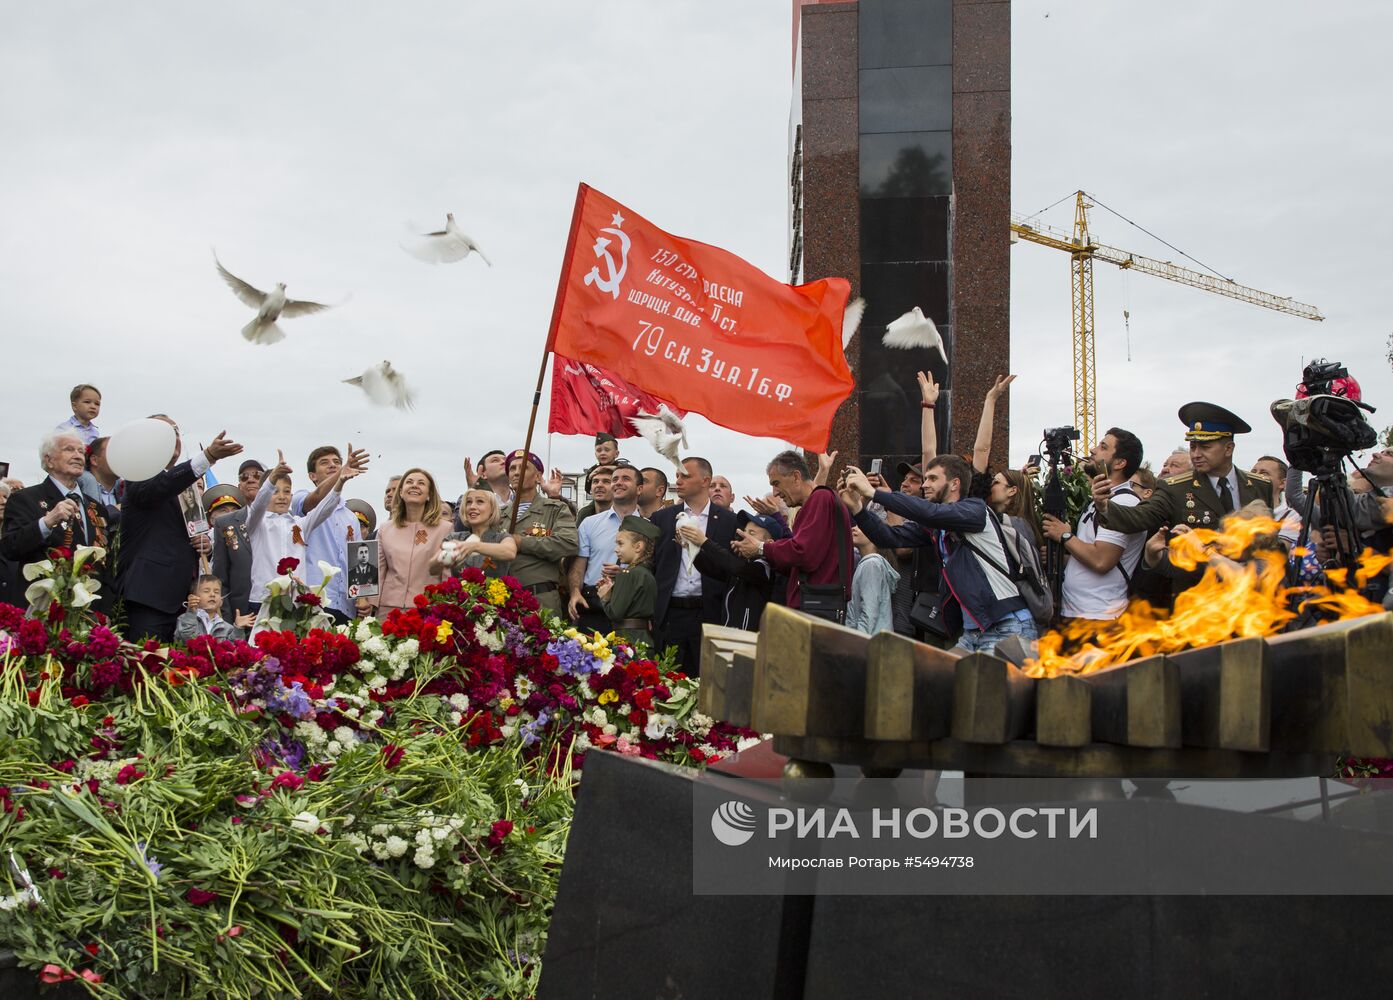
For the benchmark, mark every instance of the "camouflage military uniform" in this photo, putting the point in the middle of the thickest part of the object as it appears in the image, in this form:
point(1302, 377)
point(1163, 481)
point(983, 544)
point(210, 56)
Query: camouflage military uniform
point(547, 537)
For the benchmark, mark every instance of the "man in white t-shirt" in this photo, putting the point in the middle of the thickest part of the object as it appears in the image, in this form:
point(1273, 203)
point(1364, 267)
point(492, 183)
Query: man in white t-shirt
point(1101, 561)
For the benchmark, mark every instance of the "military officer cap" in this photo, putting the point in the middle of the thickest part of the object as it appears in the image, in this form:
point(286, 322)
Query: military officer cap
point(639, 526)
point(1208, 422)
point(218, 497)
point(363, 510)
point(602, 438)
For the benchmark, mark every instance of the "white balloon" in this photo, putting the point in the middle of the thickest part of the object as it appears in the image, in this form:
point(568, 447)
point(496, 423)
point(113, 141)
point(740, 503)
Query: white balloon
point(140, 449)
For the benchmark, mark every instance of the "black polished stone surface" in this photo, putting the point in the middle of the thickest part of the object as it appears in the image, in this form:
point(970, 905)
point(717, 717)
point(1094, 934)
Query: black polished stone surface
point(905, 32)
point(626, 923)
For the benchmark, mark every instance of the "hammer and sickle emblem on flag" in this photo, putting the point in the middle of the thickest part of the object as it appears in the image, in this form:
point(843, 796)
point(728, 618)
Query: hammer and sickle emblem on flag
point(610, 282)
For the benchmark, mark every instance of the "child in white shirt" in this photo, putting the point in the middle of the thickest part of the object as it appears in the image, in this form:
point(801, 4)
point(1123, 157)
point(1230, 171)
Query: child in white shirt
point(277, 534)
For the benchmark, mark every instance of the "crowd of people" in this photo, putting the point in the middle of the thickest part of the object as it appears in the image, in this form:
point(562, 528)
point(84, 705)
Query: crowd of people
point(957, 551)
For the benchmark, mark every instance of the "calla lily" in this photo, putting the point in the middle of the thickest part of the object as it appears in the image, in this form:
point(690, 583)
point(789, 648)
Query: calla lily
point(329, 571)
point(40, 590)
point(279, 585)
point(85, 552)
point(84, 593)
point(37, 569)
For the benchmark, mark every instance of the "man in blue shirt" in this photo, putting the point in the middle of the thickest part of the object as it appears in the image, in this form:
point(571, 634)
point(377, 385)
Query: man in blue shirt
point(329, 541)
point(597, 535)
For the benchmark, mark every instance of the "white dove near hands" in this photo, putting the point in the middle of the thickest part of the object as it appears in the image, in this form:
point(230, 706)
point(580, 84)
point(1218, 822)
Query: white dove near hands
point(270, 306)
point(445, 246)
point(689, 549)
point(912, 330)
point(385, 386)
point(664, 430)
point(851, 320)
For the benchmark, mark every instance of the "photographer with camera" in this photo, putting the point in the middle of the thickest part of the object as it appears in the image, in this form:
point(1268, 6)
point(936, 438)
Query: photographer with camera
point(978, 593)
point(1102, 561)
point(1213, 489)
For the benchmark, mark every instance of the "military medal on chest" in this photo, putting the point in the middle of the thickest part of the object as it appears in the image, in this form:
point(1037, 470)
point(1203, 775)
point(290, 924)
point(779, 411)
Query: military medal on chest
point(230, 536)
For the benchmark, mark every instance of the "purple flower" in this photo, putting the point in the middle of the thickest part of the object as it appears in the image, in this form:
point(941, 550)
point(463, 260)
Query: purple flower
point(151, 862)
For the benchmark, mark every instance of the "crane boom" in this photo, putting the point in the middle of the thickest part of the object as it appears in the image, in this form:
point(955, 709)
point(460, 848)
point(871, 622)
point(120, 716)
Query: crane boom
point(1083, 251)
point(1046, 236)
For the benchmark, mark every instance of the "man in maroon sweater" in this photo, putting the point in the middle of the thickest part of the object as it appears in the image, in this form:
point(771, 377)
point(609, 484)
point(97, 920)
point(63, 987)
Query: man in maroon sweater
point(822, 523)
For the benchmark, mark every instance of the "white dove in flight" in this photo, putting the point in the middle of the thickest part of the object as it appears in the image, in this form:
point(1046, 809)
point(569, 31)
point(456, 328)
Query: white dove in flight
point(912, 330)
point(385, 386)
point(445, 246)
point(851, 320)
point(664, 430)
point(270, 306)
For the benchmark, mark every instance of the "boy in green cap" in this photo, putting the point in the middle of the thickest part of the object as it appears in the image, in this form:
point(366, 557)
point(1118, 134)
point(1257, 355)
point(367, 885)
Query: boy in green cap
point(629, 597)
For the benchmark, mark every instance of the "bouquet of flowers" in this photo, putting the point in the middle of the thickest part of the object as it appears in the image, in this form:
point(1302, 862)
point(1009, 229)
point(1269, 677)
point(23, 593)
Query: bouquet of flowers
point(290, 604)
point(64, 586)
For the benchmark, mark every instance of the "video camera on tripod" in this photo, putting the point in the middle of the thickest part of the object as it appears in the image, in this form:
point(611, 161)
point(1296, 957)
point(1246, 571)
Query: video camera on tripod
point(1320, 432)
point(1056, 444)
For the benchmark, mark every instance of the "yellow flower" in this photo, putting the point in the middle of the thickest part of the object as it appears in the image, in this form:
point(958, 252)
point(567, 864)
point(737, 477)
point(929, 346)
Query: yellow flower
point(608, 695)
point(497, 591)
point(443, 631)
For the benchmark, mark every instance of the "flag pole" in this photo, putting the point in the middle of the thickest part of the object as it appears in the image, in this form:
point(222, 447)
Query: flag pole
point(546, 351)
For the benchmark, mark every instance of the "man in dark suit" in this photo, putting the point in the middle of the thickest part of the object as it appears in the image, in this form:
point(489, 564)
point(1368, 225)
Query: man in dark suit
point(688, 598)
point(55, 513)
point(158, 563)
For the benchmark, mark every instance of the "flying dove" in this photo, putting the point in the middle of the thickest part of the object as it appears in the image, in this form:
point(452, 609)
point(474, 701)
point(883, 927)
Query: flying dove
point(445, 246)
point(270, 306)
point(384, 386)
point(663, 430)
point(912, 330)
point(851, 320)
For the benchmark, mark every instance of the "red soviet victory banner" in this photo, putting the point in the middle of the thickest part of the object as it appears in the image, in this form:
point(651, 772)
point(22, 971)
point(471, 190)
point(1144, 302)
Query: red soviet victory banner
point(586, 399)
point(700, 326)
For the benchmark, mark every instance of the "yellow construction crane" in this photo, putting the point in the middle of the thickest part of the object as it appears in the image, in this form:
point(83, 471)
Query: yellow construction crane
point(1082, 250)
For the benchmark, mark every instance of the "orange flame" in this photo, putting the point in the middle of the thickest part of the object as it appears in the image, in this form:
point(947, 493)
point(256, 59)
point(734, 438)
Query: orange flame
point(1232, 600)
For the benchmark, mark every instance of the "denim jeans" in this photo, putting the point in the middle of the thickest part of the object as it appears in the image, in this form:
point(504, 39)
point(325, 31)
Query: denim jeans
point(984, 640)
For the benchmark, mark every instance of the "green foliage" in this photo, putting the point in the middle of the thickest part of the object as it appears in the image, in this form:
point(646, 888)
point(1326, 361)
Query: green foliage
point(304, 905)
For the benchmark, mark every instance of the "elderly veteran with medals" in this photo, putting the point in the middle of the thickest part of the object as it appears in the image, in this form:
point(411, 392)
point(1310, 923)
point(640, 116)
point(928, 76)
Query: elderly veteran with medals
point(1213, 489)
point(545, 532)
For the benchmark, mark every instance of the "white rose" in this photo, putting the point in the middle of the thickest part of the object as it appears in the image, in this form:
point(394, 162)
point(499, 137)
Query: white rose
point(305, 822)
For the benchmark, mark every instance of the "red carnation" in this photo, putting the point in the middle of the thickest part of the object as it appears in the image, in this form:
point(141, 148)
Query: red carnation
point(287, 779)
point(310, 599)
point(128, 774)
point(392, 755)
point(318, 772)
point(501, 829)
point(200, 897)
point(287, 565)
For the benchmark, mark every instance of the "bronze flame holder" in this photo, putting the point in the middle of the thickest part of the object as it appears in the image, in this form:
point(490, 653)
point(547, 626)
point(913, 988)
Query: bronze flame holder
point(1249, 708)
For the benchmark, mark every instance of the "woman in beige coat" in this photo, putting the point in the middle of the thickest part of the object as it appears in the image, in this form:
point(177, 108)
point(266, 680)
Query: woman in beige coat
point(409, 541)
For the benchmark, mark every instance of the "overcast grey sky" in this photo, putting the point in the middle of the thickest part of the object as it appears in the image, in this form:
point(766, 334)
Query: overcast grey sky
point(298, 139)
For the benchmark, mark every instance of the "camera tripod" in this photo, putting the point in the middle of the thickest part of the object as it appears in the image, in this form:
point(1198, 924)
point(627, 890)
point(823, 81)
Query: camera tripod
point(1330, 490)
point(1053, 504)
